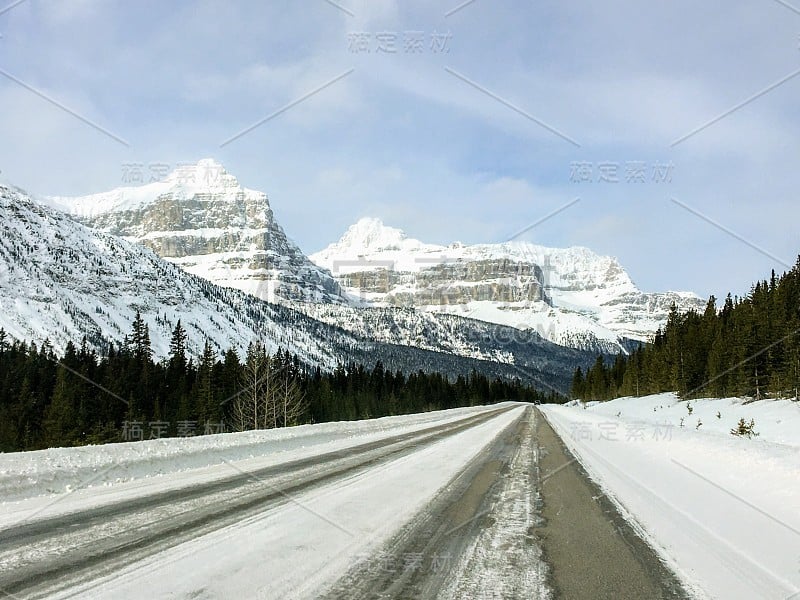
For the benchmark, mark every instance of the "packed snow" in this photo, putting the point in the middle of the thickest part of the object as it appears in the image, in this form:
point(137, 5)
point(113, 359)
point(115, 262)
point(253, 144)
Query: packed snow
point(722, 510)
point(483, 571)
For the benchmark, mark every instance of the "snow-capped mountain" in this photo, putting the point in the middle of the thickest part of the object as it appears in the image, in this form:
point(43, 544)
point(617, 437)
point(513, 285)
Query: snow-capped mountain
point(200, 218)
point(62, 281)
point(203, 220)
point(571, 296)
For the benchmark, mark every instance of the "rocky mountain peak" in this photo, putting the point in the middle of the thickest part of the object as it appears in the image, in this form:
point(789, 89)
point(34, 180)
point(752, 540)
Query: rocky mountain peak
point(207, 175)
point(571, 296)
point(201, 218)
point(370, 234)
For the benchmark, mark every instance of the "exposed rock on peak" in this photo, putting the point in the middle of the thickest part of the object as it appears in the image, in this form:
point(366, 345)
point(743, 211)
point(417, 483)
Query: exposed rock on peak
point(200, 218)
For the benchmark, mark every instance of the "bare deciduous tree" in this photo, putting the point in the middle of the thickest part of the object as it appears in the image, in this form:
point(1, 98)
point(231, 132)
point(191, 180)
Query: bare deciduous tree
point(271, 395)
point(291, 401)
point(251, 408)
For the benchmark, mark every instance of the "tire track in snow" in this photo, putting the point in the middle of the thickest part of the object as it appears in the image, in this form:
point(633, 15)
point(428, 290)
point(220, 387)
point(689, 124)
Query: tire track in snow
point(470, 525)
point(504, 560)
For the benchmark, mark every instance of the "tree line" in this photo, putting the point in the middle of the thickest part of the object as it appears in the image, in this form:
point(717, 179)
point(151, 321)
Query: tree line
point(748, 347)
point(80, 397)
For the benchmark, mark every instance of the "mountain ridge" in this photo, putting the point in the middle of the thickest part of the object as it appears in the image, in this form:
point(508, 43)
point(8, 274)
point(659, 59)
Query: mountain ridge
point(202, 219)
point(62, 281)
point(571, 296)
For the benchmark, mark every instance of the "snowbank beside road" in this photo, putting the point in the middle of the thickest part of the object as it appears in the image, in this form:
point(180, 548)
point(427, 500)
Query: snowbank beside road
point(724, 511)
point(776, 421)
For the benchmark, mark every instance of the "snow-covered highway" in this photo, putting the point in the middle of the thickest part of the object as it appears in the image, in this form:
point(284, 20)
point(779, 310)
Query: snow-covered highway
point(505, 501)
point(241, 526)
point(440, 505)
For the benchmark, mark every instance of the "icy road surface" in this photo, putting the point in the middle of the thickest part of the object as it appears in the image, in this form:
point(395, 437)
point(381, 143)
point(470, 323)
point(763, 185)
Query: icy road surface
point(282, 525)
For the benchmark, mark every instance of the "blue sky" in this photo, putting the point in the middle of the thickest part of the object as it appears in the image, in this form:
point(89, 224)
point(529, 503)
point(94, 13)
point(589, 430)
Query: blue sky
point(427, 136)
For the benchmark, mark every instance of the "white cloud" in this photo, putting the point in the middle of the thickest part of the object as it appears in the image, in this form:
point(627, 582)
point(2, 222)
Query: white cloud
point(403, 139)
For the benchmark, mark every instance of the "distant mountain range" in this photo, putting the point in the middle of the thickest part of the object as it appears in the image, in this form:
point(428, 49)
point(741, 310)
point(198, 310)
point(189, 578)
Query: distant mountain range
point(63, 281)
point(203, 220)
point(201, 248)
point(570, 296)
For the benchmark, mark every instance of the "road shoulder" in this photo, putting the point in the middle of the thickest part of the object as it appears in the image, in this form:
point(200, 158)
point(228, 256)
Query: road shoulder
point(591, 550)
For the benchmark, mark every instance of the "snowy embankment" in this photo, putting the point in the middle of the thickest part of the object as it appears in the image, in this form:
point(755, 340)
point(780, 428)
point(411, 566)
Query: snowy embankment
point(65, 470)
point(722, 510)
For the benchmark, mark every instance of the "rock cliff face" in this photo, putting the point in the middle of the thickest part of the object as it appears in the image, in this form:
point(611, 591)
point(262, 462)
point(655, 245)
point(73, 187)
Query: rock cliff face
point(61, 281)
point(203, 220)
point(489, 280)
point(571, 296)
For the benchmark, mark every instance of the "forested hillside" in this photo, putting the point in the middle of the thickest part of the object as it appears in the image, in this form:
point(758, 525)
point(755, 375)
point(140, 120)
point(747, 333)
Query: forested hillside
point(749, 347)
point(82, 398)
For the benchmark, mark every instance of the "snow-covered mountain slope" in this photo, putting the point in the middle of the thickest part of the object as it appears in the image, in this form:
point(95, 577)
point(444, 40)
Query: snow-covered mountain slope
point(570, 296)
point(200, 218)
point(525, 351)
point(61, 281)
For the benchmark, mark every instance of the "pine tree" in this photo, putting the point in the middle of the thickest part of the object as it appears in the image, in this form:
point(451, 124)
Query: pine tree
point(577, 389)
point(60, 422)
point(140, 339)
point(206, 404)
point(177, 348)
point(178, 405)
